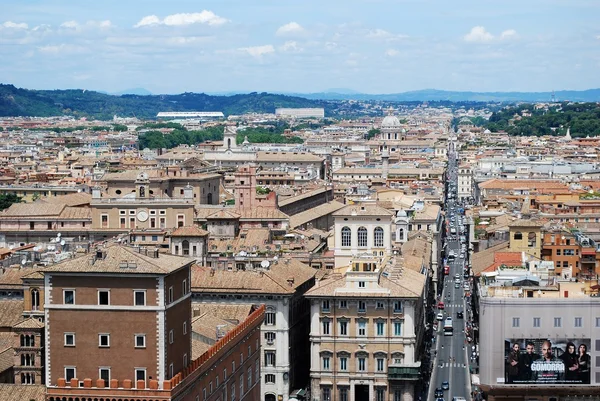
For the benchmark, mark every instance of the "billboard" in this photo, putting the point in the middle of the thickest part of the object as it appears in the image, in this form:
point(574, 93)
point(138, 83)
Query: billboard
point(550, 361)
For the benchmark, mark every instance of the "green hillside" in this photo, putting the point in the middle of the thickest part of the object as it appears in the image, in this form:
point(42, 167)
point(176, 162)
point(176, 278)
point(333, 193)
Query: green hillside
point(82, 103)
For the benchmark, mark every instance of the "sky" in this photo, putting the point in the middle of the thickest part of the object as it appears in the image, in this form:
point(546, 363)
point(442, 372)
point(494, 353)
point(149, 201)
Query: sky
point(303, 46)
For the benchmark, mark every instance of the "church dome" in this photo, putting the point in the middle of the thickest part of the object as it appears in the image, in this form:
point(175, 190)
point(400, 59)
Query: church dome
point(390, 121)
point(401, 213)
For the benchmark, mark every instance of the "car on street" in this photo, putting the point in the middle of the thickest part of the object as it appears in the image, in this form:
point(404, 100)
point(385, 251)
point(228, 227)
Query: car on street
point(466, 275)
point(458, 399)
point(445, 385)
point(441, 305)
point(456, 285)
point(459, 314)
point(440, 316)
point(439, 392)
point(457, 276)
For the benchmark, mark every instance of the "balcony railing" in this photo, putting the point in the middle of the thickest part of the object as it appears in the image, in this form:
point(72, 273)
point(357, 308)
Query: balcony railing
point(404, 373)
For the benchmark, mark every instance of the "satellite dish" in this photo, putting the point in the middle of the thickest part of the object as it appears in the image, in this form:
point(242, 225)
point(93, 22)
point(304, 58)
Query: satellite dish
point(265, 264)
point(275, 257)
point(243, 253)
point(58, 235)
point(23, 262)
point(62, 243)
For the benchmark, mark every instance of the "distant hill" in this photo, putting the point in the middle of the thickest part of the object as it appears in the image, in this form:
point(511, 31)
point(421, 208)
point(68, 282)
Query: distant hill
point(590, 95)
point(83, 103)
point(133, 91)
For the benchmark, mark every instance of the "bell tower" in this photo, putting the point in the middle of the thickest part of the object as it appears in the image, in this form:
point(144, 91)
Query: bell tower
point(229, 138)
point(142, 185)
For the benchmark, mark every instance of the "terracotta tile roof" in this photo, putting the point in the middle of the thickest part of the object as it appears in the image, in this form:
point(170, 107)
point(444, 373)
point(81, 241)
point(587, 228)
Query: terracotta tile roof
point(36, 209)
point(262, 213)
point(115, 255)
point(206, 326)
point(16, 392)
point(189, 231)
point(314, 213)
point(11, 312)
point(75, 199)
point(271, 281)
point(7, 360)
point(30, 323)
point(529, 184)
point(234, 313)
point(285, 157)
point(75, 213)
point(483, 259)
point(199, 348)
point(504, 258)
point(304, 195)
point(526, 223)
point(252, 238)
point(11, 278)
point(223, 214)
point(7, 339)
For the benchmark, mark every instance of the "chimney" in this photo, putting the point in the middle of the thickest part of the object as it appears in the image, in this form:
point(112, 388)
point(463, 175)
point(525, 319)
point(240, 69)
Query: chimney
point(290, 281)
point(212, 272)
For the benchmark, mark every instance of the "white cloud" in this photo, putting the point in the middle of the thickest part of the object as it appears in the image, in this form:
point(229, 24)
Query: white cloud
point(291, 47)
point(258, 51)
point(508, 34)
point(15, 25)
point(290, 29)
point(478, 34)
point(70, 25)
point(204, 17)
point(63, 48)
point(392, 52)
point(384, 35)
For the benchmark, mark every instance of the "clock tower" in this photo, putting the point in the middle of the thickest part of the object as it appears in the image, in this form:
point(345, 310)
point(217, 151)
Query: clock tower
point(142, 185)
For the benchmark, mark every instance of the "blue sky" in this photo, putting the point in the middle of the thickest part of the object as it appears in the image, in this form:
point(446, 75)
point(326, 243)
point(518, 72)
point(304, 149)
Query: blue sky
point(371, 46)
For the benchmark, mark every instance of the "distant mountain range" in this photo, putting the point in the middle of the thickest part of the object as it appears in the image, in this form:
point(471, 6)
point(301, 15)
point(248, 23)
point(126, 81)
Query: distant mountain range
point(590, 95)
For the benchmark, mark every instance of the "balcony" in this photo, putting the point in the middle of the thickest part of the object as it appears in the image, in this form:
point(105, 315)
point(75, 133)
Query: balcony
point(404, 373)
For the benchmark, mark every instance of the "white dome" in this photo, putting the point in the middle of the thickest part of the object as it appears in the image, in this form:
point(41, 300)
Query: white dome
point(390, 121)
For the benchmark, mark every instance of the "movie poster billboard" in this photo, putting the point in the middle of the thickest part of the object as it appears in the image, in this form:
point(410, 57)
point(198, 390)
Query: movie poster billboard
point(550, 361)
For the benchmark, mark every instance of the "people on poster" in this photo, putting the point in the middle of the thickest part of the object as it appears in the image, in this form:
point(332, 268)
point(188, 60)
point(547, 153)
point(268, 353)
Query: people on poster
point(526, 360)
point(583, 360)
point(512, 363)
point(570, 359)
point(563, 362)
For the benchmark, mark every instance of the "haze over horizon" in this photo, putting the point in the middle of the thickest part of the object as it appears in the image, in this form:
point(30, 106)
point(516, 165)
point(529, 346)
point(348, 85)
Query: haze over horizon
point(367, 46)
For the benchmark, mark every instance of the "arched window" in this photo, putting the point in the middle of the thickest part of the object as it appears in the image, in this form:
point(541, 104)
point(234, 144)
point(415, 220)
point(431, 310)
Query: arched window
point(378, 236)
point(22, 340)
point(35, 299)
point(228, 142)
point(518, 235)
point(209, 199)
point(401, 234)
point(346, 236)
point(531, 240)
point(362, 237)
point(22, 359)
point(185, 246)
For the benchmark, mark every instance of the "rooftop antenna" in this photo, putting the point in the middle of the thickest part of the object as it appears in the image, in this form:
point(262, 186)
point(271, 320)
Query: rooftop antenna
point(553, 97)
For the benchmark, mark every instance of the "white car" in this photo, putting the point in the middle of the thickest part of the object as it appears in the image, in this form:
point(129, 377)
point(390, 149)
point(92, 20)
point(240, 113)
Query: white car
point(440, 316)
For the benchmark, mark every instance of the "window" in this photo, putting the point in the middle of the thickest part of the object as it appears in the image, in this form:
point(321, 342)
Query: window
point(362, 306)
point(170, 294)
point(104, 340)
point(270, 379)
point(184, 287)
point(103, 297)
point(70, 373)
point(326, 392)
point(326, 365)
point(362, 329)
point(380, 364)
point(171, 370)
point(598, 322)
point(362, 237)
point(343, 394)
point(104, 222)
point(270, 318)
point(537, 322)
point(241, 385)
point(184, 328)
point(325, 327)
point(139, 297)
point(380, 328)
point(558, 252)
point(397, 306)
point(233, 392)
point(515, 322)
point(361, 284)
point(344, 304)
point(104, 374)
point(241, 358)
point(35, 299)
point(557, 322)
point(204, 393)
point(379, 305)
point(398, 328)
point(171, 335)
point(140, 341)
point(343, 363)
point(269, 358)
point(140, 374)
point(69, 297)
point(578, 322)
point(325, 305)
point(249, 377)
point(69, 339)
point(378, 237)
point(270, 337)
point(224, 374)
point(380, 394)
point(518, 235)
point(346, 236)
point(362, 364)
point(343, 328)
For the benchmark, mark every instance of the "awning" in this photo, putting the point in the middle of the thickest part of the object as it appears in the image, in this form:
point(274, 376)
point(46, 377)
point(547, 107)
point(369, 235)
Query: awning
point(475, 380)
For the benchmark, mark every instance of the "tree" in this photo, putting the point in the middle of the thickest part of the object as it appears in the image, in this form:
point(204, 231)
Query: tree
point(373, 132)
point(8, 199)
